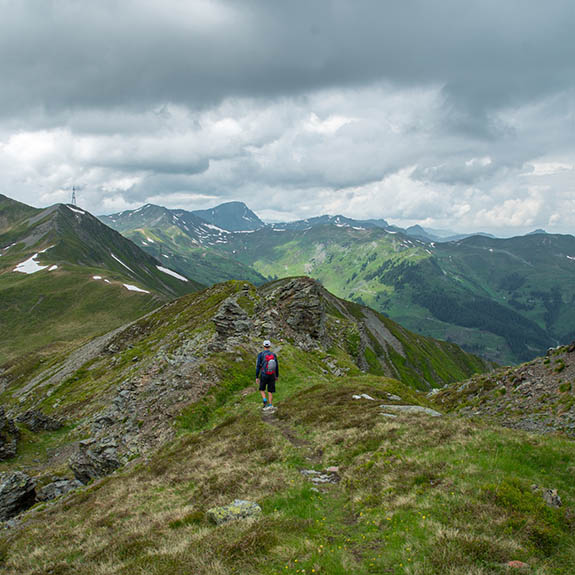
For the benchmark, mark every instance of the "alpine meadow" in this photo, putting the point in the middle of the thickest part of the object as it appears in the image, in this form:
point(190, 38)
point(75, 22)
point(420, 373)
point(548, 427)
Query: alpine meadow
point(287, 288)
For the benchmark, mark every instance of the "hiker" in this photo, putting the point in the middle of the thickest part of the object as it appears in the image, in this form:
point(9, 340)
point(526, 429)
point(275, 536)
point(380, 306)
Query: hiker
point(267, 373)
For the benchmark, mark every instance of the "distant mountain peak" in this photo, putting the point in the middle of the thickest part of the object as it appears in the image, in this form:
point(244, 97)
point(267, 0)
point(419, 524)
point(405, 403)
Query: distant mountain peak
point(231, 216)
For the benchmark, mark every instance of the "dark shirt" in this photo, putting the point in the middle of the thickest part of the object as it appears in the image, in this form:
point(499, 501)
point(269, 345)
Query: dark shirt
point(260, 363)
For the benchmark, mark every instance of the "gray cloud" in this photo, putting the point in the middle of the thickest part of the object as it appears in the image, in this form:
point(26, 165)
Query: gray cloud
point(448, 113)
point(61, 54)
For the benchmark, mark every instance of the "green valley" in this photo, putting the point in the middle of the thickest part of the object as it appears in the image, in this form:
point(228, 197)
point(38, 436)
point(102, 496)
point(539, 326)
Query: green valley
point(505, 299)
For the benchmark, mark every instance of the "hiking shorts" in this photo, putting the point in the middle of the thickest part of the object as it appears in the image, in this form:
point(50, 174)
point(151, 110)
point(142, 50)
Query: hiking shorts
point(269, 382)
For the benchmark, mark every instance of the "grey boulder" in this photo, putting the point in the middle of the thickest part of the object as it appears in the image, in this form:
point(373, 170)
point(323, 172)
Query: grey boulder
point(8, 436)
point(94, 459)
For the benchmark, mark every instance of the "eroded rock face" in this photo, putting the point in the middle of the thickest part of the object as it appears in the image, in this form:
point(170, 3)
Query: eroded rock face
point(36, 421)
point(17, 493)
point(94, 459)
point(8, 436)
point(232, 320)
point(296, 306)
point(302, 307)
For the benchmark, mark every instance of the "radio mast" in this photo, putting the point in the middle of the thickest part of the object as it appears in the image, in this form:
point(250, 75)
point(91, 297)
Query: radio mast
point(73, 202)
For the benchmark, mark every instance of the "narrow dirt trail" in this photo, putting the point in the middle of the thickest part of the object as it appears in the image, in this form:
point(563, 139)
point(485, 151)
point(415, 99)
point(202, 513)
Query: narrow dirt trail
point(311, 454)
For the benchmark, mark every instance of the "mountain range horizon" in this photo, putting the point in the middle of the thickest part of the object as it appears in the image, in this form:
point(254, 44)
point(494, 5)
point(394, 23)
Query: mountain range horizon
point(506, 299)
point(430, 233)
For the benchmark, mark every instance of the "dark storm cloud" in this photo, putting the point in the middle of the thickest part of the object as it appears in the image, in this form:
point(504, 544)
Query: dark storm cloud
point(66, 54)
point(453, 114)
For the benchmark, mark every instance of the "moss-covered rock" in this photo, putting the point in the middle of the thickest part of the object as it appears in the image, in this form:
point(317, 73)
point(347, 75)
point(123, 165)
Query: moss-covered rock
point(239, 509)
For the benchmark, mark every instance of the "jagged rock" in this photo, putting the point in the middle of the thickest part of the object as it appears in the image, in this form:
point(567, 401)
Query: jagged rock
point(301, 306)
point(571, 347)
point(550, 496)
point(57, 489)
point(239, 509)
point(393, 397)
point(9, 435)
point(412, 409)
point(36, 421)
point(94, 459)
point(231, 319)
point(17, 493)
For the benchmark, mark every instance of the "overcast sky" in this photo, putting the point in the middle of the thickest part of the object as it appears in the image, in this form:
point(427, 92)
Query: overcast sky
point(451, 114)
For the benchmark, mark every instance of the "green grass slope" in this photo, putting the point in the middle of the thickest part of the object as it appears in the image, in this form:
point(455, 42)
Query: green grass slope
point(417, 495)
point(413, 494)
point(61, 304)
point(342, 337)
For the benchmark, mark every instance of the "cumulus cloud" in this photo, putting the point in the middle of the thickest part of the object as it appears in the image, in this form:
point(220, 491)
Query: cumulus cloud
point(428, 112)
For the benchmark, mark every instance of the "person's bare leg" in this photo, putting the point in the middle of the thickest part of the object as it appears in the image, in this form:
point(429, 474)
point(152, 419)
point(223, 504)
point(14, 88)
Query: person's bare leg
point(270, 397)
point(263, 395)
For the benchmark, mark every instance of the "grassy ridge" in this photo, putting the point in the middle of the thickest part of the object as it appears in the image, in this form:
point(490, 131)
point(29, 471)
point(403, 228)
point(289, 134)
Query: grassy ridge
point(49, 312)
point(417, 495)
point(53, 310)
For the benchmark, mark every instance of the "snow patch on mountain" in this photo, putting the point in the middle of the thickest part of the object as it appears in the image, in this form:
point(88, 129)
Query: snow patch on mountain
point(172, 273)
point(120, 261)
point(135, 288)
point(30, 266)
point(212, 227)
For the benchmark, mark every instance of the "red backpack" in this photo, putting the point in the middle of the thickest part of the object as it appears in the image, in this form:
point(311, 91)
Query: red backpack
point(269, 364)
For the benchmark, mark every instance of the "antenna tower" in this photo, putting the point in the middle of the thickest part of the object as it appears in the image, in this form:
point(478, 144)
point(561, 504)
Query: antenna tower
point(74, 188)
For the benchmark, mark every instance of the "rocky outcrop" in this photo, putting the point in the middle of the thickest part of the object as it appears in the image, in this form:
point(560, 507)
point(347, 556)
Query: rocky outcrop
point(94, 459)
point(17, 493)
point(301, 305)
point(231, 320)
point(239, 509)
point(57, 488)
point(8, 436)
point(538, 396)
point(294, 309)
point(35, 420)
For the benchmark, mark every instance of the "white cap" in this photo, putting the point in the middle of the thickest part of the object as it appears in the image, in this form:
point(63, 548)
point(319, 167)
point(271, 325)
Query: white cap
point(267, 343)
